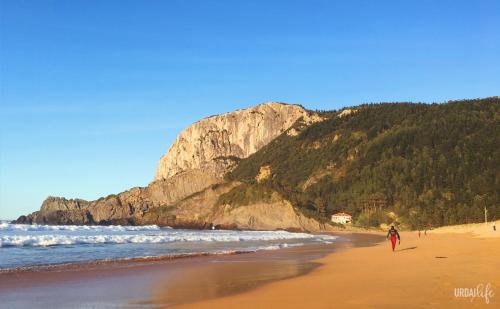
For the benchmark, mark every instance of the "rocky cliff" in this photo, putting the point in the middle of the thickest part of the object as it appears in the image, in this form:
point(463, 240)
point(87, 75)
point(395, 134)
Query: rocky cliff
point(190, 178)
point(205, 144)
point(276, 166)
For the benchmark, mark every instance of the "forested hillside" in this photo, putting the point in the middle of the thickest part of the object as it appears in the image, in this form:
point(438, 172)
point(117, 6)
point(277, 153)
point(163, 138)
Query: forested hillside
point(417, 164)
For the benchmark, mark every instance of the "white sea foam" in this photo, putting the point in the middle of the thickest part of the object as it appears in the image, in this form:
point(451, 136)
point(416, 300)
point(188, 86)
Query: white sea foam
point(35, 245)
point(14, 235)
point(279, 246)
point(97, 228)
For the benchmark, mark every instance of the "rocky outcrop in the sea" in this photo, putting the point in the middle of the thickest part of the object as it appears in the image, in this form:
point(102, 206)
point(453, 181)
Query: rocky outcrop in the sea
point(190, 178)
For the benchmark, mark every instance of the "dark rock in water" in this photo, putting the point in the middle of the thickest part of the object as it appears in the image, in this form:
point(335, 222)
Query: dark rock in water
point(52, 204)
point(67, 217)
point(23, 220)
point(122, 221)
point(57, 210)
point(58, 217)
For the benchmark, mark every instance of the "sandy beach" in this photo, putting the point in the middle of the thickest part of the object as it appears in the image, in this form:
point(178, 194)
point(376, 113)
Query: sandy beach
point(423, 272)
point(358, 271)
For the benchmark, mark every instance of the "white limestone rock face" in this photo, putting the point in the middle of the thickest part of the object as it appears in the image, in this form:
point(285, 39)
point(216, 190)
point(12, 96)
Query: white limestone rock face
point(207, 144)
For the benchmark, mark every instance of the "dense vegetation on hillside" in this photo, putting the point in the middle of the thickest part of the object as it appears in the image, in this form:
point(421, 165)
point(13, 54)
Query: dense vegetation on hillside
point(418, 164)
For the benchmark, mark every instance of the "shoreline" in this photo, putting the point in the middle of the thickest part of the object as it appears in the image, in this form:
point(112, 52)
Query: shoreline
point(422, 272)
point(24, 247)
point(357, 270)
point(76, 265)
point(166, 282)
point(96, 264)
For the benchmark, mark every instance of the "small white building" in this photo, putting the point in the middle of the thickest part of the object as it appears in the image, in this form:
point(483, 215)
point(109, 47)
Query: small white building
point(341, 218)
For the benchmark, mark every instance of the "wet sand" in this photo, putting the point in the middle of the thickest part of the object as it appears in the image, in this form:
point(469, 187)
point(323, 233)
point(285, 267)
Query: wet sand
point(423, 273)
point(164, 283)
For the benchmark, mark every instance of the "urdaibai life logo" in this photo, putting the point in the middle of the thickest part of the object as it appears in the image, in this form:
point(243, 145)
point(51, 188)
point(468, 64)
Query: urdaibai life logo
point(480, 291)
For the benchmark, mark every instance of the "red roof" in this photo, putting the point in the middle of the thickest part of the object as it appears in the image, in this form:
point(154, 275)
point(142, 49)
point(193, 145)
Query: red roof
point(341, 214)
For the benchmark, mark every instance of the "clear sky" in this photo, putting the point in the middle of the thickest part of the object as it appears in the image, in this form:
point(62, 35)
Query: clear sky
point(93, 92)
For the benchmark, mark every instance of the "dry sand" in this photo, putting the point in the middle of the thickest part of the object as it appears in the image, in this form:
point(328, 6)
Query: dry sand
point(481, 230)
point(422, 273)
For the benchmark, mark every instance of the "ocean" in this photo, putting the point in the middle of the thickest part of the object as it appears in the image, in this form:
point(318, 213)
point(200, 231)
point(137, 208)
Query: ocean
point(26, 246)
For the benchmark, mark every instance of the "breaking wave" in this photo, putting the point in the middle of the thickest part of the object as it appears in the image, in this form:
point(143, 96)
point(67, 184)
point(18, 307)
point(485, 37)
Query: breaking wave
point(43, 235)
point(95, 228)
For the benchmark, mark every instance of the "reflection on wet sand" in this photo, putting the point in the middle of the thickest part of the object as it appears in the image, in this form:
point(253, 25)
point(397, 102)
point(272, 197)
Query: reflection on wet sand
point(207, 281)
point(162, 283)
point(236, 274)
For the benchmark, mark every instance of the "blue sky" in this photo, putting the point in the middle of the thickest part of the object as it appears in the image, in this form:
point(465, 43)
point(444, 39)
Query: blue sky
point(93, 92)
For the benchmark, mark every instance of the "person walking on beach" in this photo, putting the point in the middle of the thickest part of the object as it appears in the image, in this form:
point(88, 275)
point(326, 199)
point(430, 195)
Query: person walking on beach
point(393, 234)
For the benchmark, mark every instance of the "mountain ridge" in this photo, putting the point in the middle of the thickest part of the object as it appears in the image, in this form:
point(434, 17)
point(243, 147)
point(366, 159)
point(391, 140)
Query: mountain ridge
point(403, 163)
